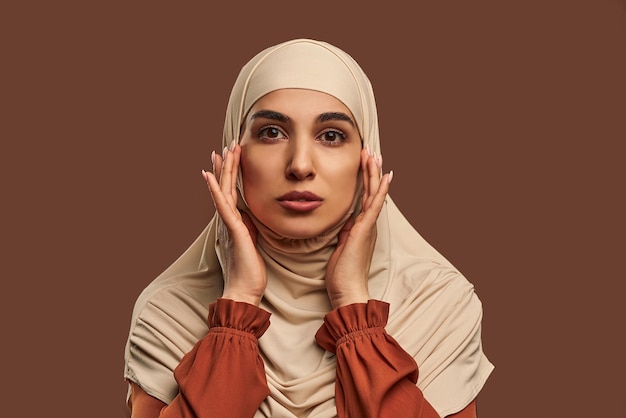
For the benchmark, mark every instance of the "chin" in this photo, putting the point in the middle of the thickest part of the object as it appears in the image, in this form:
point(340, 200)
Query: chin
point(299, 229)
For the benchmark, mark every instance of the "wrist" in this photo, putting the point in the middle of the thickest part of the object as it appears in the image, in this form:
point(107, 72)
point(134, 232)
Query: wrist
point(344, 300)
point(242, 297)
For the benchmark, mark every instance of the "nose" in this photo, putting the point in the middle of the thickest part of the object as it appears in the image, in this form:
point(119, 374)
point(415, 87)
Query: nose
point(300, 164)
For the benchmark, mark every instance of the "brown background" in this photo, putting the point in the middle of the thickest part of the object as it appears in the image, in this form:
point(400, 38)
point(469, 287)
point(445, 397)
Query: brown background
point(504, 125)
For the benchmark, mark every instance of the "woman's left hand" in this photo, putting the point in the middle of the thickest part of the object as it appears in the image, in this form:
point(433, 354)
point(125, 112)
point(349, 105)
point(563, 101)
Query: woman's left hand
point(347, 271)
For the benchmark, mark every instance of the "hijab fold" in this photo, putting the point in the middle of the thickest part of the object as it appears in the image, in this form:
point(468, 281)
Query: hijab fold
point(434, 312)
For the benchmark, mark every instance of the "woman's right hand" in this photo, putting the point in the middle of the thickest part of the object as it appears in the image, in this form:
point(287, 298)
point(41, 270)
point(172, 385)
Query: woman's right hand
point(245, 276)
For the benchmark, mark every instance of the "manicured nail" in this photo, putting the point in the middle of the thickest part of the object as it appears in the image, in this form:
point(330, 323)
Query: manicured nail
point(369, 151)
point(232, 145)
point(224, 152)
point(379, 160)
point(390, 177)
point(213, 157)
point(204, 174)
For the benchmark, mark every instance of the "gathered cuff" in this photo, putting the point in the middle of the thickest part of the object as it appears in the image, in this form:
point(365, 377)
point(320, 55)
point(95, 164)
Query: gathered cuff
point(351, 322)
point(227, 314)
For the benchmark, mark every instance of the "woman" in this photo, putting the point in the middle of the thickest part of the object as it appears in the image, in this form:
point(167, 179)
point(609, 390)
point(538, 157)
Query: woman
point(305, 232)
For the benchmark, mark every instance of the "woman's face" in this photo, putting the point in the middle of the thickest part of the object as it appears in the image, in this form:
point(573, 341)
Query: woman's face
point(300, 161)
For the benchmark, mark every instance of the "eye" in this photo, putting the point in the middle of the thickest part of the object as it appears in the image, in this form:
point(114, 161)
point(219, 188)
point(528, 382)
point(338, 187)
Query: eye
point(271, 134)
point(333, 137)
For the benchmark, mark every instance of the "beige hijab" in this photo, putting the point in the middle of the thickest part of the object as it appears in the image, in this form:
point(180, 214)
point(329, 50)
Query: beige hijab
point(434, 313)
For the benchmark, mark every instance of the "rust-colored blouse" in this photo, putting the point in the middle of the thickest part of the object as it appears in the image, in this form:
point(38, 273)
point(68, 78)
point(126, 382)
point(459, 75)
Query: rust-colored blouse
point(223, 375)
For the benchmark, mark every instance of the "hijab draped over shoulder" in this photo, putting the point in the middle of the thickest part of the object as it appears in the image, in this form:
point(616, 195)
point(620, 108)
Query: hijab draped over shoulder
point(434, 313)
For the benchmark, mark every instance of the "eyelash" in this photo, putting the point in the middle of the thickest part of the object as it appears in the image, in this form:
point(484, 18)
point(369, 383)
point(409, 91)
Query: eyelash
point(342, 137)
point(262, 136)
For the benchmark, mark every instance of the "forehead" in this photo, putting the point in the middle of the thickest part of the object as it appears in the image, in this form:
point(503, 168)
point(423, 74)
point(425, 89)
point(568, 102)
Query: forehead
point(299, 103)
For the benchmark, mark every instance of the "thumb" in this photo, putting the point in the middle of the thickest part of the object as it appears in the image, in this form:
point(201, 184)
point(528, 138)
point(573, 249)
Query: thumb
point(252, 229)
point(345, 232)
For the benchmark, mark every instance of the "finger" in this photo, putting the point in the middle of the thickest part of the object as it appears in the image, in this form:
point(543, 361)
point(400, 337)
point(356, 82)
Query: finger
point(373, 173)
point(371, 214)
point(217, 165)
point(227, 175)
point(236, 160)
point(221, 203)
point(214, 187)
point(364, 158)
point(365, 177)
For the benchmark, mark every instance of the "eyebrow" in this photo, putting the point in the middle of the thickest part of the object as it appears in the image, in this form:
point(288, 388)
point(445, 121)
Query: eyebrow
point(335, 116)
point(324, 117)
point(270, 114)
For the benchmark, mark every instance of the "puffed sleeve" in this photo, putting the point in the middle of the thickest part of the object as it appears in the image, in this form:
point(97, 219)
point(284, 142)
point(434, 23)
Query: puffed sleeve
point(375, 376)
point(223, 375)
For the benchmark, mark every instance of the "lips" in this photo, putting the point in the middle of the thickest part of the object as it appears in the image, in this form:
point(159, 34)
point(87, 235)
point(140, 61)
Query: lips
point(300, 201)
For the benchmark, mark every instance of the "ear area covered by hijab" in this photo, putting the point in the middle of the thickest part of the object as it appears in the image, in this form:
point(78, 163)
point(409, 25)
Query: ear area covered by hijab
point(434, 313)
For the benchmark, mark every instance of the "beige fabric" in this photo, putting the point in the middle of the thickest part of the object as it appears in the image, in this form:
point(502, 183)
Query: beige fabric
point(434, 313)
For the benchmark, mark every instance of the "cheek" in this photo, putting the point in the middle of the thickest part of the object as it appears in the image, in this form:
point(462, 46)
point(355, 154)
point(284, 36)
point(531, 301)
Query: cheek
point(346, 181)
point(344, 178)
point(257, 177)
point(345, 171)
point(249, 176)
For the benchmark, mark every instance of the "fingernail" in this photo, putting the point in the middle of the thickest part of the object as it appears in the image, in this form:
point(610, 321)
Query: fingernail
point(213, 157)
point(232, 145)
point(204, 174)
point(224, 152)
point(390, 177)
point(380, 161)
point(367, 148)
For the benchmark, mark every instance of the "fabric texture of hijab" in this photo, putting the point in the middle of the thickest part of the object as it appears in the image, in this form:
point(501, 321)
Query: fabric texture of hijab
point(434, 312)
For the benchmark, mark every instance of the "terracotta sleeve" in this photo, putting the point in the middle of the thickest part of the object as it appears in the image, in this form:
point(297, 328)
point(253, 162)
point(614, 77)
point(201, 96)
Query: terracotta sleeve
point(223, 375)
point(375, 376)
